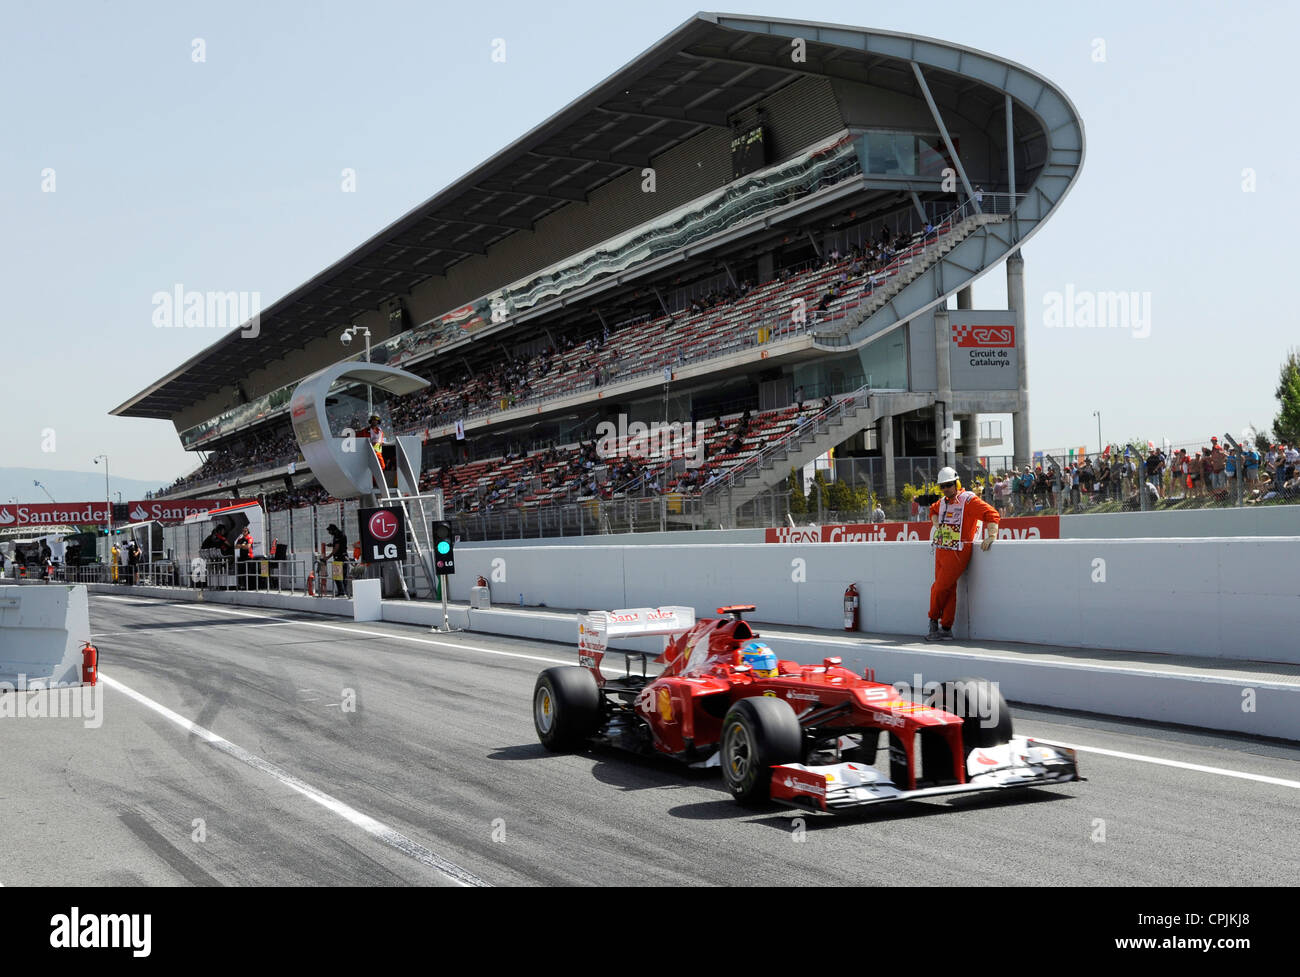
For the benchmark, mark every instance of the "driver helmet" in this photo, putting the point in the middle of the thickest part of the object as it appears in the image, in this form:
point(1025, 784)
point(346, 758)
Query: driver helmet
point(760, 658)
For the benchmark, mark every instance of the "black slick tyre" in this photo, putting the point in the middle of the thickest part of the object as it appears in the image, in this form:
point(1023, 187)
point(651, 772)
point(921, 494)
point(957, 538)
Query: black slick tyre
point(757, 734)
point(566, 707)
point(986, 720)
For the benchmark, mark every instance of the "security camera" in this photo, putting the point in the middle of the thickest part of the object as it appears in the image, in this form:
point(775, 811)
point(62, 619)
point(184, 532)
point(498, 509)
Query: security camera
point(346, 338)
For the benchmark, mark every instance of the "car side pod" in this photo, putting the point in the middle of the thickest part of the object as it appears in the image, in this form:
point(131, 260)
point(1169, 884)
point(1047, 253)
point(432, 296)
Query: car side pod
point(838, 787)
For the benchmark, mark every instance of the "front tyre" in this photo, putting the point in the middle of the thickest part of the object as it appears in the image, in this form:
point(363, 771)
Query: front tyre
point(566, 707)
point(986, 720)
point(758, 733)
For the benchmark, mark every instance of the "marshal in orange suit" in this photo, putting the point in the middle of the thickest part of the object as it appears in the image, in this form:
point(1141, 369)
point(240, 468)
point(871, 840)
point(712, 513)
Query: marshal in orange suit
point(954, 518)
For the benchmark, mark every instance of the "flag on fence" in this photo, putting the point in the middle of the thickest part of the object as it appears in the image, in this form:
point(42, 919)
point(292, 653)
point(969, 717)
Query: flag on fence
point(460, 430)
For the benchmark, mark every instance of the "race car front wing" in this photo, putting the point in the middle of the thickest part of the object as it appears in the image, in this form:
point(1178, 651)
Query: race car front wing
point(837, 787)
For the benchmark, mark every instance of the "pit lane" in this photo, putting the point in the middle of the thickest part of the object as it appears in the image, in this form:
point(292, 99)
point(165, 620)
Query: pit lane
point(440, 751)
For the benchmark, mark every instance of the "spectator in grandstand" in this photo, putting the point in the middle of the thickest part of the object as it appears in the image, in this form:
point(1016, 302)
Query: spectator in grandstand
point(1251, 465)
point(831, 294)
point(1218, 466)
point(1087, 478)
point(1102, 482)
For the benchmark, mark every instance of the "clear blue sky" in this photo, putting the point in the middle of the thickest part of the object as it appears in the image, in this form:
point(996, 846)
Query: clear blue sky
point(225, 175)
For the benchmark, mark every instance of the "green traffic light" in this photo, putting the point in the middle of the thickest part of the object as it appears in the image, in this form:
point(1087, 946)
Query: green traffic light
point(444, 548)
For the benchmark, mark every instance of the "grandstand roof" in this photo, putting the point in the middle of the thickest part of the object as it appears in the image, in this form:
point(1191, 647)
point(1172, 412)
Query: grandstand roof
point(697, 77)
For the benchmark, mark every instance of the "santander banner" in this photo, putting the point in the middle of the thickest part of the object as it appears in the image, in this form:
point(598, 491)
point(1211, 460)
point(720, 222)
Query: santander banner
point(1020, 527)
point(174, 510)
point(16, 514)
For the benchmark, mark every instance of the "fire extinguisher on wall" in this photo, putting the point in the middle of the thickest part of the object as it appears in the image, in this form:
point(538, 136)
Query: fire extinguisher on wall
point(851, 608)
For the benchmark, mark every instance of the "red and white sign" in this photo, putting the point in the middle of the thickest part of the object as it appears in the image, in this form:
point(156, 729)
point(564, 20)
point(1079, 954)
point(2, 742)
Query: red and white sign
point(383, 525)
point(52, 514)
point(1019, 527)
point(972, 336)
point(17, 514)
point(171, 510)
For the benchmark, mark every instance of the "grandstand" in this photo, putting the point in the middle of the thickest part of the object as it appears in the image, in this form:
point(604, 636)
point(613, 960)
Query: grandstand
point(755, 226)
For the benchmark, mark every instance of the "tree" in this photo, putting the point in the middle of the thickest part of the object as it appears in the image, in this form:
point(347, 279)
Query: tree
point(819, 484)
point(1286, 426)
point(798, 501)
point(841, 497)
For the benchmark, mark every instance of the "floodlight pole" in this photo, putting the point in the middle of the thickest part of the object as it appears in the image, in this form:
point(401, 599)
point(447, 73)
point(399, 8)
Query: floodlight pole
point(108, 496)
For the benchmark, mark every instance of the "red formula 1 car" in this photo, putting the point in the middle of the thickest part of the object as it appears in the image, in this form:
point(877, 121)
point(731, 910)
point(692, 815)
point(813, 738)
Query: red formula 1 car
point(804, 735)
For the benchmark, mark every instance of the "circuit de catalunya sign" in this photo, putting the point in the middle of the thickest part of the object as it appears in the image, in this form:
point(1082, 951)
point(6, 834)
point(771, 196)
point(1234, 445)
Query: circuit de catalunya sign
point(1021, 527)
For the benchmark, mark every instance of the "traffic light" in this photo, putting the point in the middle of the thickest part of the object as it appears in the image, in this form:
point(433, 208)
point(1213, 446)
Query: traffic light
point(444, 548)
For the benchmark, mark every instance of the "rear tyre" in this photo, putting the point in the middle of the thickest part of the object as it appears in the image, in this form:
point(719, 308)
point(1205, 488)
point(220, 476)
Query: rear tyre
point(757, 734)
point(566, 707)
point(986, 720)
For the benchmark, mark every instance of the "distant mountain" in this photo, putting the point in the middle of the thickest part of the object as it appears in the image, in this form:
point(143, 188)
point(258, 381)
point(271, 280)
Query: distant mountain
point(16, 483)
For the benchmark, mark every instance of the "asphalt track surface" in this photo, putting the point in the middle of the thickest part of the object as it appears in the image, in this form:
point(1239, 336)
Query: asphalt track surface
point(227, 757)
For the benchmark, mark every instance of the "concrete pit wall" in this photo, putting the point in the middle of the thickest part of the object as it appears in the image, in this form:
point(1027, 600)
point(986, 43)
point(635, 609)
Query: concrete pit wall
point(1217, 598)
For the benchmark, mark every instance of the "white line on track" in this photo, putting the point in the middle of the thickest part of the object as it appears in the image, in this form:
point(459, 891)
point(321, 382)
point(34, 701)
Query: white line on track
point(1140, 758)
point(1199, 768)
point(389, 836)
point(402, 637)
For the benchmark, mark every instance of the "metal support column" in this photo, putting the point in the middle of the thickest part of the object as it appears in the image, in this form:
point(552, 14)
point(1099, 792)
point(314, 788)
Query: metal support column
point(1016, 304)
point(943, 134)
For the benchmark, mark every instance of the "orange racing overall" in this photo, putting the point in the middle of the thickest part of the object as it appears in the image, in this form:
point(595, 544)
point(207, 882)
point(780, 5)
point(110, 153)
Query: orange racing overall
point(953, 545)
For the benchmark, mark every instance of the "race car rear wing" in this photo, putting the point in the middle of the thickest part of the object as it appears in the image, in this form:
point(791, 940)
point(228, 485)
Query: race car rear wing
point(597, 628)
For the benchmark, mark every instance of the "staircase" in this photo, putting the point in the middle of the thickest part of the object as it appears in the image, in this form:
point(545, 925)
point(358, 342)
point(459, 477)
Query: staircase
point(406, 495)
point(816, 436)
point(904, 272)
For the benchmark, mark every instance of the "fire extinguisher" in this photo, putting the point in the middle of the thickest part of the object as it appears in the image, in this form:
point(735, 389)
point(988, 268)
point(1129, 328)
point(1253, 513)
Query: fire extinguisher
point(851, 608)
point(311, 584)
point(89, 664)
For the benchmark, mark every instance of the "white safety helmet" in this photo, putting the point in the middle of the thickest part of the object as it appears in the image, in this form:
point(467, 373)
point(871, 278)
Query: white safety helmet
point(946, 474)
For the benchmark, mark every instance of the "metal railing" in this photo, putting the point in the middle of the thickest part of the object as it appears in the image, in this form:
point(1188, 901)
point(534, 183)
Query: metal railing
point(813, 426)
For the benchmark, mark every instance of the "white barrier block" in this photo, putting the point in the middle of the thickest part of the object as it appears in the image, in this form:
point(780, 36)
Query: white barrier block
point(42, 631)
point(367, 600)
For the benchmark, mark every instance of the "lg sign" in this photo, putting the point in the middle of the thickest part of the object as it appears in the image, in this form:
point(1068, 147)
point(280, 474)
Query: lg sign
point(383, 524)
point(383, 535)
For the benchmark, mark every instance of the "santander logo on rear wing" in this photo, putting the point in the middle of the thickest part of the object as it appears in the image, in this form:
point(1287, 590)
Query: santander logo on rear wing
point(597, 628)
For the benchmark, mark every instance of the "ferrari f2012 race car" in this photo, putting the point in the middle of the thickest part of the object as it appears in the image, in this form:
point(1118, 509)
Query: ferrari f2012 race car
point(803, 735)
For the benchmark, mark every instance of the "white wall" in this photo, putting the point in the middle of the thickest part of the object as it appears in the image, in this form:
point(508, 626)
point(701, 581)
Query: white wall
point(1222, 598)
point(1254, 520)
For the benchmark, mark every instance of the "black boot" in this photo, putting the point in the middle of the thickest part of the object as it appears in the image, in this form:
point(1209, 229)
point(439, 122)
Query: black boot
point(933, 633)
point(945, 634)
